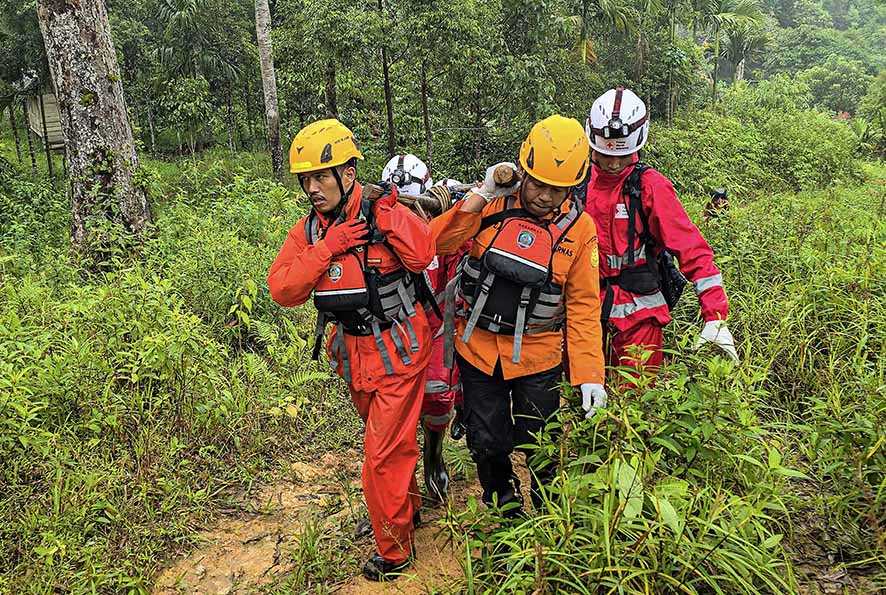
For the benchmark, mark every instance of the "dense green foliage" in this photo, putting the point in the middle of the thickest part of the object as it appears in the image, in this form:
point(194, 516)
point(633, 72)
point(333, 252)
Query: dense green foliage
point(136, 399)
point(466, 78)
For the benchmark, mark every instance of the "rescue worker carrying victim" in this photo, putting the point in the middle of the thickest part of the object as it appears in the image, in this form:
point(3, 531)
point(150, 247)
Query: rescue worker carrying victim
point(362, 263)
point(531, 273)
point(441, 391)
point(641, 225)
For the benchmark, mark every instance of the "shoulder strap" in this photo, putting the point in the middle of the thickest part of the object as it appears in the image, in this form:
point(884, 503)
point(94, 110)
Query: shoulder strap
point(506, 213)
point(633, 190)
point(366, 214)
point(565, 222)
point(312, 228)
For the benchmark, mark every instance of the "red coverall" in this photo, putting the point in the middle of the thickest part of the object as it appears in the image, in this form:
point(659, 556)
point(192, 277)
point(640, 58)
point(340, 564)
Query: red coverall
point(442, 387)
point(639, 319)
point(389, 404)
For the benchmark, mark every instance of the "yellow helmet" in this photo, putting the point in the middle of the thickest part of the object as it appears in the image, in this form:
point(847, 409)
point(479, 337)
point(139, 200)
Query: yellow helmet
point(556, 152)
point(321, 145)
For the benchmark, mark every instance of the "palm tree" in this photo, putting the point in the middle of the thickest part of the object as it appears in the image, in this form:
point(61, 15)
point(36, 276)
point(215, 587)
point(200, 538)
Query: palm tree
point(617, 14)
point(714, 15)
point(190, 46)
point(744, 42)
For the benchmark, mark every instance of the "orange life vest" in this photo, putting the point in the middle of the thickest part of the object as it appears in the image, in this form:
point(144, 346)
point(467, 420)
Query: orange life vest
point(362, 301)
point(509, 289)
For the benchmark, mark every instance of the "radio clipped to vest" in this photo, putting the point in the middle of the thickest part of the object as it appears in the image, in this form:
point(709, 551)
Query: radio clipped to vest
point(509, 289)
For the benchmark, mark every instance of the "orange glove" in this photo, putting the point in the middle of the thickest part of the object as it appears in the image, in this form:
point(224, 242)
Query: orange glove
point(344, 236)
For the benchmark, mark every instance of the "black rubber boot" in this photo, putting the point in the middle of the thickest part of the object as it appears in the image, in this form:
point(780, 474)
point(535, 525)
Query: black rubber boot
point(378, 569)
point(500, 484)
point(363, 528)
point(436, 475)
point(458, 430)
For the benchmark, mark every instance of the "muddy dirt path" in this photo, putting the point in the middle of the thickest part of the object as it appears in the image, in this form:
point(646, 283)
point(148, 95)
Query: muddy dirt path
point(248, 549)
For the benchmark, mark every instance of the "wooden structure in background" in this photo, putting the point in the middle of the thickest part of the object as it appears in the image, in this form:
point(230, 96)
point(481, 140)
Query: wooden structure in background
point(54, 138)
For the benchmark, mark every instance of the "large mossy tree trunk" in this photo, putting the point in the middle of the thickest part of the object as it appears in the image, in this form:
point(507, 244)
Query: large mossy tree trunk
point(269, 83)
point(98, 137)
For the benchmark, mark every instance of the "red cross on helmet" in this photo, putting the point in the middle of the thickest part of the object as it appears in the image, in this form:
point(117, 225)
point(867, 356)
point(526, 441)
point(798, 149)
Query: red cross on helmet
point(618, 123)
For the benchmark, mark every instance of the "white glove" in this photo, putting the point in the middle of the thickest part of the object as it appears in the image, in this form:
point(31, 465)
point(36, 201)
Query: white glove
point(490, 190)
point(593, 397)
point(717, 333)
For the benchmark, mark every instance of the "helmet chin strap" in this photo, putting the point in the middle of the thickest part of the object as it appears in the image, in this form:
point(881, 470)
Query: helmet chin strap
point(340, 209)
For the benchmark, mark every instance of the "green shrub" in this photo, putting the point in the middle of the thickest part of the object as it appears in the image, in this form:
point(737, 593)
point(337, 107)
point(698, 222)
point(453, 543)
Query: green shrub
point(132, 400)
point(707, 151)
point(675, 489)
point(694, 484)
point(802, 276)
point(765, 141)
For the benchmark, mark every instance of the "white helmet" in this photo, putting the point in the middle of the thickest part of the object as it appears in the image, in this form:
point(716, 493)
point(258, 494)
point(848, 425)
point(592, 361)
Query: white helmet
point(408, 173)
point(618, 123)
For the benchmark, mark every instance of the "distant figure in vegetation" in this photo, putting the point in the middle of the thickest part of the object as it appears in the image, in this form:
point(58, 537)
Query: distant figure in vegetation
point(442, 390)
point(642, 228)
point(718, 204)
point(525, 280)
point(363, 262)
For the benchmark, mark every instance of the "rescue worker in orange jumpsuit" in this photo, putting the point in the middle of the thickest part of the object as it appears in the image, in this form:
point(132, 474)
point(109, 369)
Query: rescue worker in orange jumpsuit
point(642, 225)
point(531, 273)
point(361, 261)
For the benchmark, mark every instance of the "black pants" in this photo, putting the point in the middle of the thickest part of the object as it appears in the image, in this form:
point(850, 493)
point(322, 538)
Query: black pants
point(501, 415)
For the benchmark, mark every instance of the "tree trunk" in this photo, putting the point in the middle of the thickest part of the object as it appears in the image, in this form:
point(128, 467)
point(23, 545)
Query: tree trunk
point(389, 99)
point(14, 126)
point(247, 101)
point(716, 62)
point(739, 70)
point(229, 118)
point(269, 84)
point(46, 147)
point(671, 31)
point(30, 138)
point(98, 137)
point(151, 128)
point(426, 117)
point(331, 91)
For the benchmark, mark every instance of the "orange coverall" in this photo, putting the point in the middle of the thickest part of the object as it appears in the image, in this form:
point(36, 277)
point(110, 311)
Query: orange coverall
point(388, 404)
